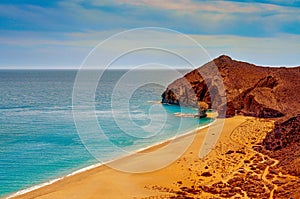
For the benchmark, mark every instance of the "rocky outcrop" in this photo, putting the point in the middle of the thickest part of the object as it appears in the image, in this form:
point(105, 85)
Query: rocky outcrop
point(202, 107)
point(283, 143)
point(265, 92)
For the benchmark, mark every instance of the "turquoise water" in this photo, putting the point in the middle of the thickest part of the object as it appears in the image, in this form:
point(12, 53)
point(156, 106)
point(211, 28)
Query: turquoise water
point(38, 137)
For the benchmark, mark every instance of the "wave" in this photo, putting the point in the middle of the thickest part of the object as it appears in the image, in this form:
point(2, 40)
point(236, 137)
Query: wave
point(185, 115)
point(154, 102)
point(15, 107)
point(24, 191)
point(29, 107)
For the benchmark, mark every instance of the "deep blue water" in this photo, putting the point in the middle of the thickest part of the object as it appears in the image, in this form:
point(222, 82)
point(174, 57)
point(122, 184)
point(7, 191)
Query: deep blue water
point(38, 137)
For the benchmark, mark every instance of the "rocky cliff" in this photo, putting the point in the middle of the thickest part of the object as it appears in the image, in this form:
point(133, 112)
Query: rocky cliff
point(266, 92)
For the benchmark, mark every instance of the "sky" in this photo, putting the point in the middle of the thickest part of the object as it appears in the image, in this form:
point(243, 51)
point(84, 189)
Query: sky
point(60, 34)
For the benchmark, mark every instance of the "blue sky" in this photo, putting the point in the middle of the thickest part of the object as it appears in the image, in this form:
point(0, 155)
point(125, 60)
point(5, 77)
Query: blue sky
point(60, 34)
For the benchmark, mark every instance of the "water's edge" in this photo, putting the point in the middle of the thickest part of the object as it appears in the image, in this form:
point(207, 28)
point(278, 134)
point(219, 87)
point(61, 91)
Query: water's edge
point(35, 187)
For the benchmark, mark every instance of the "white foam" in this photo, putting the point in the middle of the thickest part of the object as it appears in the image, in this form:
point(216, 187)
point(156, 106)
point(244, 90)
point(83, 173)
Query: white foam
point(34, 188)
point(53, 181)
point(175, 137)
point(24, 191)
point(185, 115)
point(154, 102)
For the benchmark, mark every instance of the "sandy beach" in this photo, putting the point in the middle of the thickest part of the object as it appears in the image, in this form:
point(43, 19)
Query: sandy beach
point(232, 159)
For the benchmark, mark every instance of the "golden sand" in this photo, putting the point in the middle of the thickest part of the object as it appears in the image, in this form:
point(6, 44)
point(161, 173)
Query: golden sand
point(225, 162)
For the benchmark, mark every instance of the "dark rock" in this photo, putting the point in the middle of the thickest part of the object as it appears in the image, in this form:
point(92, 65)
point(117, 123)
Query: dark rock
point(219, 185)
point(247, 161)
point(229, 152)
point(241, 152)
point(278, 182)
point(283, 144)
point(206, 174)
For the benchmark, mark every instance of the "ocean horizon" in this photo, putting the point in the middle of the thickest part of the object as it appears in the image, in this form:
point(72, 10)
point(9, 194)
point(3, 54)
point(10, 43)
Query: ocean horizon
point(39, 141)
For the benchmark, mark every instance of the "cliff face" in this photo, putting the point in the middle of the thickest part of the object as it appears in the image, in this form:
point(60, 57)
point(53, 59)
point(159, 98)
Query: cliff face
point(249, 90)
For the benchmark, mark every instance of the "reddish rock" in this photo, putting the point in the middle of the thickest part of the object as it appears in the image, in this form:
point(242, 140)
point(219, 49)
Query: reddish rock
point(250, 90)
point(247, 161)
point(229, 152)
point(206, 174)
point(219, 185)
point(283, 144)
point(278, 182)
point(269, 176)
point(241, 152)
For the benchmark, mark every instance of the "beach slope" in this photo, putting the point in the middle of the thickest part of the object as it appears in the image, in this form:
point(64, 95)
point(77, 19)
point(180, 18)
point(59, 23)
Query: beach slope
point(233, 168)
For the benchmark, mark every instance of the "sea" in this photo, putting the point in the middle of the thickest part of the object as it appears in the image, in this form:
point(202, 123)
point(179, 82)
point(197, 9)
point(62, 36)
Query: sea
point(39, 139)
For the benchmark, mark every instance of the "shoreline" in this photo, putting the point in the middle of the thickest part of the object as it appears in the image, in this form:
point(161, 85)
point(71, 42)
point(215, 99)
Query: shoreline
point(231, 168)
point(97, 165)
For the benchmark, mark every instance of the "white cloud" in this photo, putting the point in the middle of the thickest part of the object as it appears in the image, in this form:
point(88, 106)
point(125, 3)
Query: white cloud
point(78, 25)
point(280, 50)
point(207, 6)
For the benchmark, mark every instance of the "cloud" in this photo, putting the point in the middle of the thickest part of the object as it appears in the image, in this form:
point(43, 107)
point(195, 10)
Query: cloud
point(203, 17)
point(33, 49)
point(223, 6)
point(289, 3)
point(75, 26)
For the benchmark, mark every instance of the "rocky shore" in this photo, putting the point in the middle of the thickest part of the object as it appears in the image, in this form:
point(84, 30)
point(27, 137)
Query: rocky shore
point(273, 169)
point(250, 90)
point(255, 157)
point(238, 169)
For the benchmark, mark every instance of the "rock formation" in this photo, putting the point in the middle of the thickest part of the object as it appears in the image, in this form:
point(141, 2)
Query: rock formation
point(283, 143)
point(266, 92)
point(202, 107)
point(250, 90)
